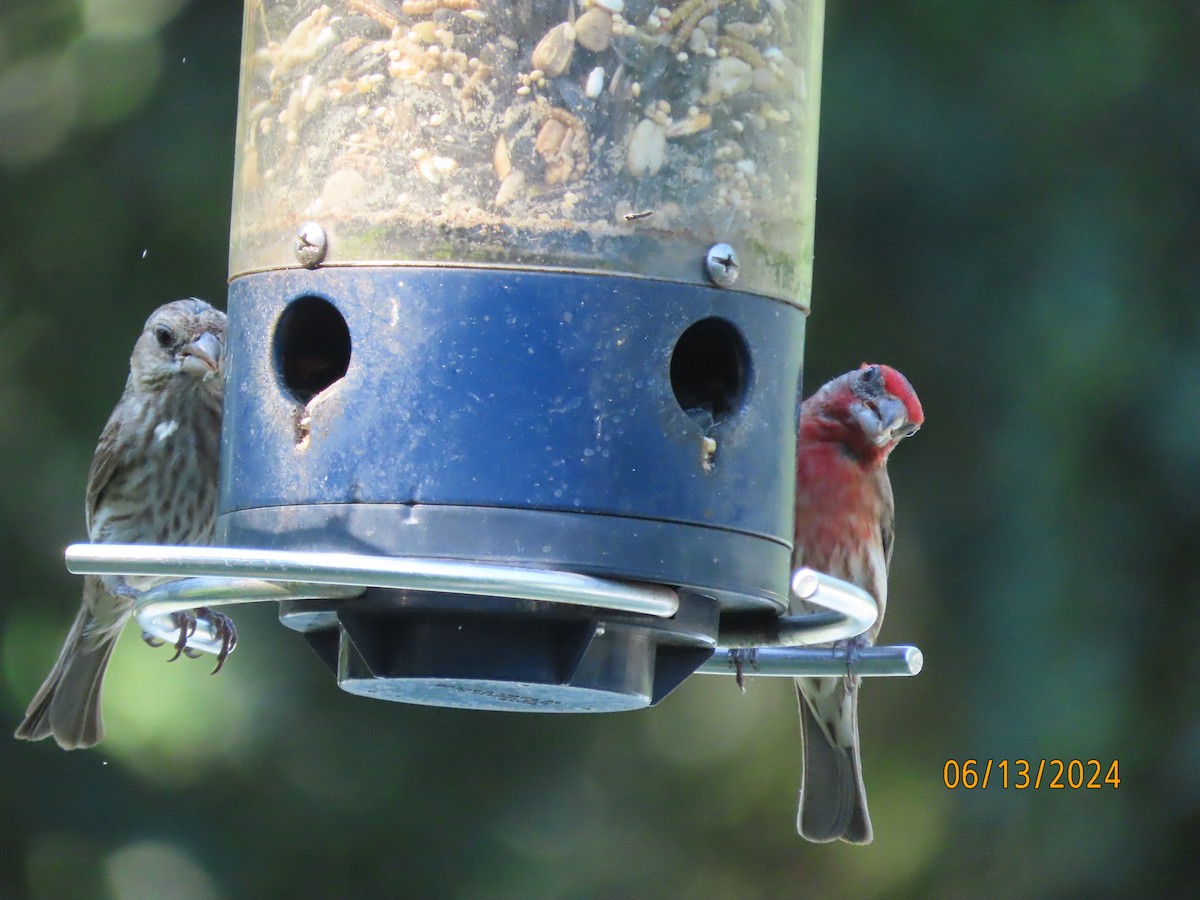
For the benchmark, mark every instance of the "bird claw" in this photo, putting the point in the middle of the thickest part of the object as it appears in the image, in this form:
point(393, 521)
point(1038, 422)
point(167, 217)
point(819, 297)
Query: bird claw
point(738, 660)
point(224, 631)
point(185, 621)
point(153, 641)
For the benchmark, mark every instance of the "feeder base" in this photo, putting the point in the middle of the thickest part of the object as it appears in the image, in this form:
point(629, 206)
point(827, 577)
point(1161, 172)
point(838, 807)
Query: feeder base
point(493, 653)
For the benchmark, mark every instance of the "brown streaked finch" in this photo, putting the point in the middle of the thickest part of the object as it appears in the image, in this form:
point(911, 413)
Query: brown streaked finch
point(153, 480)
point(845, 518)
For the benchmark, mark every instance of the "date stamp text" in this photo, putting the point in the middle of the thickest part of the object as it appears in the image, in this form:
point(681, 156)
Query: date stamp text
point(1035, 774)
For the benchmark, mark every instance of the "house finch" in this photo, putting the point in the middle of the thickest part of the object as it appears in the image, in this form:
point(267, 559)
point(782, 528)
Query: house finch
point(153, 480)
point(845, 519)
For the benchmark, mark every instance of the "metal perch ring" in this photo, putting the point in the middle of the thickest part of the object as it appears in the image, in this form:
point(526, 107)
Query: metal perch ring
point(217, 576)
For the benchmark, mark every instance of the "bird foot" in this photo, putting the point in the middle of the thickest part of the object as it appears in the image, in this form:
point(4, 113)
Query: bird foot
point(119, 587)
point(851, 647)
point(738, 660)
point(185, 621)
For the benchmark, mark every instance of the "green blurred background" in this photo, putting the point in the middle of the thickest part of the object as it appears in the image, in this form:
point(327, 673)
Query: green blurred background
point(1007, 210)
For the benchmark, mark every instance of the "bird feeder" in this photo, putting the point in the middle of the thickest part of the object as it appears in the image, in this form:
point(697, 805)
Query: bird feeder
point(516, 325)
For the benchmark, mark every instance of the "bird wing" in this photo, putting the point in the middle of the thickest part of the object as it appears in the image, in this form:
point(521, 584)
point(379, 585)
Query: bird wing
point(887, 539)
point(104, 463)
point(887, 518)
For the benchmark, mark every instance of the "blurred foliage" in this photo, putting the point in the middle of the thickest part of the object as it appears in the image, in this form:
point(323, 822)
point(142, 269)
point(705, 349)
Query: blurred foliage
point(1007, 211)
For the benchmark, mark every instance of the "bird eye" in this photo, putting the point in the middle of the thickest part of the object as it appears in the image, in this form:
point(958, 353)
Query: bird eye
point(869, 374)
point(164, 336)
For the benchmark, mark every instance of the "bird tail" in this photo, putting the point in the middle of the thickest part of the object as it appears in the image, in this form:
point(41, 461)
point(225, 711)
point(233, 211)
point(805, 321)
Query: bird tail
point(833, 800)
point(67, 705)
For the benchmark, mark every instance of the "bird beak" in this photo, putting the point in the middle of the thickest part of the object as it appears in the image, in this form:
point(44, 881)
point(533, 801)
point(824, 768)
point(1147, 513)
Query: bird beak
point(202, 357)
point(884, 420)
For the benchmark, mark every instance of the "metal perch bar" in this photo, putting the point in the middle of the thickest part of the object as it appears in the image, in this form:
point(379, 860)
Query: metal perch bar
point(851, 612)
point(816, 662)
point(320, 568)
point(774, 647)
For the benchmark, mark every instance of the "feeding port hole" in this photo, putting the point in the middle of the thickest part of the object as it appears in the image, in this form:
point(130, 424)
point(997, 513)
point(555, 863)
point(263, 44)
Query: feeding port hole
point(312, 347)
point(710, 370)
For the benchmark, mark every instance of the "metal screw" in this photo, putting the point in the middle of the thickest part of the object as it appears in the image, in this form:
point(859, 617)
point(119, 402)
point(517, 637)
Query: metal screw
point(721, 265)
point(310, 245)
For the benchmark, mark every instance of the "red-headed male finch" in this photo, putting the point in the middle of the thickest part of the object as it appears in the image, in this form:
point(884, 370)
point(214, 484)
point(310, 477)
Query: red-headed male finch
point(153, 480)
point(845, 519)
